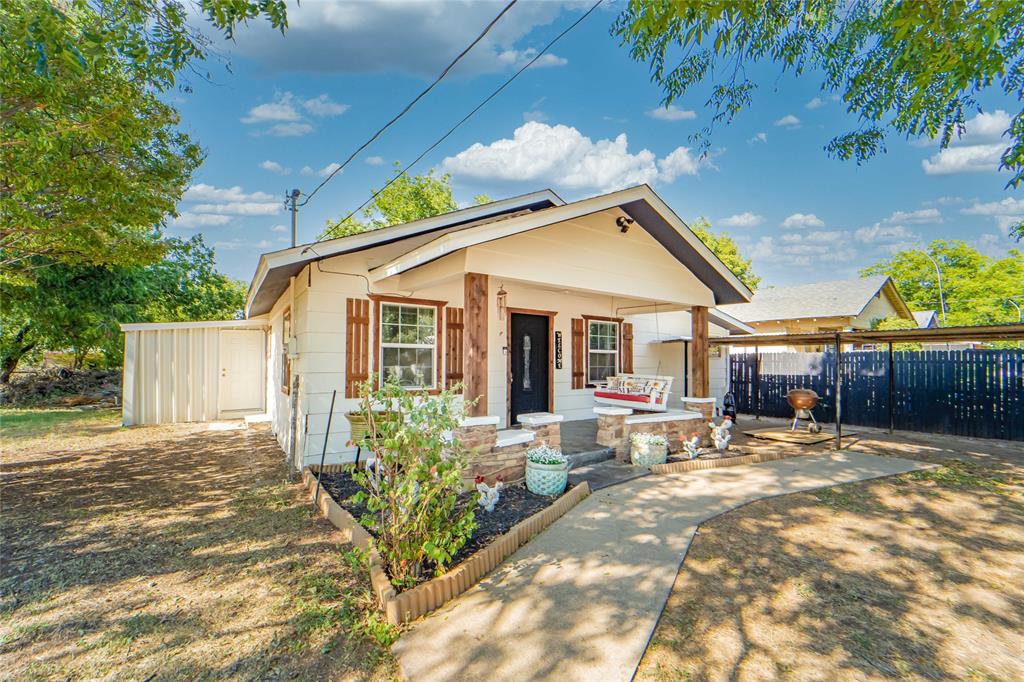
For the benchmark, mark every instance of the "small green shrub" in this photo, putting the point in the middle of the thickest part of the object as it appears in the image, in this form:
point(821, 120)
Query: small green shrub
point(412, 492)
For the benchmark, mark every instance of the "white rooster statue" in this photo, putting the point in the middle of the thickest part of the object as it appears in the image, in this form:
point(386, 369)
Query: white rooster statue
point(488, 494)
point(720, 435)
point(692, 446)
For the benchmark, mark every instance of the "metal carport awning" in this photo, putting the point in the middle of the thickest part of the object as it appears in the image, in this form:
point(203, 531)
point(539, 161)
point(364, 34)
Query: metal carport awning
point(993, 332)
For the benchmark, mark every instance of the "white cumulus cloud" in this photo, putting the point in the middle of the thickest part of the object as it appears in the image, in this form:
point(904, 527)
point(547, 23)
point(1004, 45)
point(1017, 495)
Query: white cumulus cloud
point(815, 103)
point(279, 228)
point(745, 219)
point(672, 113)
point(801, 220)
point(228, 201)
point(323, 106)
point(758, 138)
point(975, 158)
point(561, 155)
point(918, 217)
point(976, 151)
point(188, 219)
point(328, 169)
point(788, 121)
point(374, 161)
point(284, 114)
point(879, 233)
point(275, 167)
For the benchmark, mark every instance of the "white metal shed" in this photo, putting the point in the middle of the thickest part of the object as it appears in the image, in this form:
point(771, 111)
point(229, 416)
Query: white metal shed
point(193, 371)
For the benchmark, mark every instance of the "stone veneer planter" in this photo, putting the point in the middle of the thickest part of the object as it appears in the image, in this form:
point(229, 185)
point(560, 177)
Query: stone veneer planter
point(425, 597)
point(698, 464)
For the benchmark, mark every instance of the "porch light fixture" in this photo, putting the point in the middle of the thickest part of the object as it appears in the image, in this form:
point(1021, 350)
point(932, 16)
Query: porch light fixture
point(623, 222)
point(502, 301)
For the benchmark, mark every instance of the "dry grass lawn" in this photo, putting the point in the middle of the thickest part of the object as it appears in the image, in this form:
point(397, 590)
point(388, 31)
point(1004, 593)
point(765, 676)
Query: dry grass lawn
point(171, 553)
point(917, 577)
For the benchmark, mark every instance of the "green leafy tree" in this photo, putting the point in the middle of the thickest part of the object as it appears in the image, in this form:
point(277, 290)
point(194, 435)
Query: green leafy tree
point(976, 288)
point(406, 199)
point(895, 322)
point(725, 247)
point(80, 307)
point(905, 66)
point(93, 160)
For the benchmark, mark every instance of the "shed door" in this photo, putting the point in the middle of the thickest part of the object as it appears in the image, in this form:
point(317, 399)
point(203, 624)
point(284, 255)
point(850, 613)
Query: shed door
point(242, 386)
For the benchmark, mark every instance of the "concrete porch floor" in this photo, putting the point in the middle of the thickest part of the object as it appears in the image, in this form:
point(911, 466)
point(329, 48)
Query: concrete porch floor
point(579, 437)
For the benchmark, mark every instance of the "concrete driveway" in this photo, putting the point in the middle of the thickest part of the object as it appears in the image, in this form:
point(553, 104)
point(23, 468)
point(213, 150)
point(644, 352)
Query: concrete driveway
point(580, 601)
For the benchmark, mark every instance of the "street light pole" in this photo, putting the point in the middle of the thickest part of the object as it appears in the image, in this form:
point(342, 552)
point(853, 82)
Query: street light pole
point(938, 275)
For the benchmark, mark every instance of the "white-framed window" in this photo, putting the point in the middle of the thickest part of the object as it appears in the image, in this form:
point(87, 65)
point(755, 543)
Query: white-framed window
point(408, 344)
point(602, 350)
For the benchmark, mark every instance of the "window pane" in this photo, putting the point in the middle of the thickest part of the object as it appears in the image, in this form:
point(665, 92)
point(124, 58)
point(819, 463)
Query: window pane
point(601, 366)
point(389, 313)
point(407, 334)
point(412, 367)
point(389, 333)
point(408, 315)
point(426, 335)
point(425, 316)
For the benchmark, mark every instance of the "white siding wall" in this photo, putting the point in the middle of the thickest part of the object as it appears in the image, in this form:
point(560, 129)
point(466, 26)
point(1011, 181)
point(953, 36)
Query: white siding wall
point(173, 374)
point(318, 303)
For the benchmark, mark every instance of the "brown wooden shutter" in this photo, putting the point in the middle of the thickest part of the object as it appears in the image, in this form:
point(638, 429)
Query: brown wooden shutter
point(626, 359)
point(454, 326)
point(357, 345)
point(579, 361)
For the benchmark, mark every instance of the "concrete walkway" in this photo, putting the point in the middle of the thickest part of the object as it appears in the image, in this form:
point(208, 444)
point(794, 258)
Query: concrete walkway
point(581, 600)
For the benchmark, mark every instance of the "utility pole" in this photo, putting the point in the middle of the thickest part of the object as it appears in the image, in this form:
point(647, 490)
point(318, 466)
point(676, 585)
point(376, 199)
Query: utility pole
point(290, 200)
point(938, 274)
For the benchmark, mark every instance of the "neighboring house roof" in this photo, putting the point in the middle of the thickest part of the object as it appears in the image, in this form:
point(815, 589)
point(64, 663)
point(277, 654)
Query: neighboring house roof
point(926, 319)
point(433, 238)
point(839, 298)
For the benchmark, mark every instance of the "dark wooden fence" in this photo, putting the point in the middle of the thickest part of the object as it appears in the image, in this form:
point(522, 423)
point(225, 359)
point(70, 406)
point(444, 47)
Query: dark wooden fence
point(957, 392)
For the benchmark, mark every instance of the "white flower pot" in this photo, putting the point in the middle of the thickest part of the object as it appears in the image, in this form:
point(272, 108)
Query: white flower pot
point(546, 479)
point(648, 454)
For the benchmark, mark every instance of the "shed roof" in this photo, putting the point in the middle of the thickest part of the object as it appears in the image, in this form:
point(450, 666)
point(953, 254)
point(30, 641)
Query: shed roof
point(837, 298)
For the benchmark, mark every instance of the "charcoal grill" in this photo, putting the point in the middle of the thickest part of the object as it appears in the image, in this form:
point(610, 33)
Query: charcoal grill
point(803, 401)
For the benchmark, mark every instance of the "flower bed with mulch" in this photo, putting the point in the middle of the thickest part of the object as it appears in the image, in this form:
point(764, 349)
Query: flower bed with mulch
point(515, 504)
point(492, 542)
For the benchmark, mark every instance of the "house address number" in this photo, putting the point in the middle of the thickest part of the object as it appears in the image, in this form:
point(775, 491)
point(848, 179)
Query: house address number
point(558, 350)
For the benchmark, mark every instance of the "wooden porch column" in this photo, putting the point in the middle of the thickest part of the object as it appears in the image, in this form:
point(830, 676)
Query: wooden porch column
point(699, 323)
point(474, 342)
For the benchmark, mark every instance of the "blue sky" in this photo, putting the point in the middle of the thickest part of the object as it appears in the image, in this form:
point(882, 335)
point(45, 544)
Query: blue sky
point(584, 120)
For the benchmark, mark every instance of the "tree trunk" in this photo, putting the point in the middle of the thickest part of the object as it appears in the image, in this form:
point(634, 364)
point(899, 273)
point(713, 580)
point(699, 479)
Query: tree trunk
point(10, 359)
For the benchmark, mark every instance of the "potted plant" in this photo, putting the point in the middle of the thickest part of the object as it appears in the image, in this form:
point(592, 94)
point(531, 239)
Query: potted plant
point(547, 470)
point(646, 449)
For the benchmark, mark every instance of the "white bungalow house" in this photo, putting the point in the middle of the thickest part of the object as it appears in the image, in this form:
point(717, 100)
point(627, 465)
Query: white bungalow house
point(530, 303)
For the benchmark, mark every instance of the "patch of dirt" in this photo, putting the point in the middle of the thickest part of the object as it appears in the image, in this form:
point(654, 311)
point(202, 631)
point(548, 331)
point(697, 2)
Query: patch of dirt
point(915, 577)
point(515, 504)
point(174, 552)
point(63, 387)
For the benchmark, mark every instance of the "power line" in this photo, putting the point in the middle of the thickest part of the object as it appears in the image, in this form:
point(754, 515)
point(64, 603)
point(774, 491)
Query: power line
point(468, 116)
point(411, 104)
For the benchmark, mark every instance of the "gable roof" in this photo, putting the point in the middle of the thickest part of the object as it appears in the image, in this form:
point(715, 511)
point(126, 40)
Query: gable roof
point(925, 318)
point(838, 298)
point(275, 269)
point(444, 235)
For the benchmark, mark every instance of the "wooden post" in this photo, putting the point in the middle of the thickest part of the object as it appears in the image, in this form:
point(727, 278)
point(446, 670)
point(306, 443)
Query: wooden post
point(892, 392)
point(699, 333)
point(839, 396)
point(757, 383)
point(474, 342)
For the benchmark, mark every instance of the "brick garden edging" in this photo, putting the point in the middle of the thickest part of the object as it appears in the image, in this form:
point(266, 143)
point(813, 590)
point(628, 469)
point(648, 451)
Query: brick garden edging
point(425, 597)
point(698, 464)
